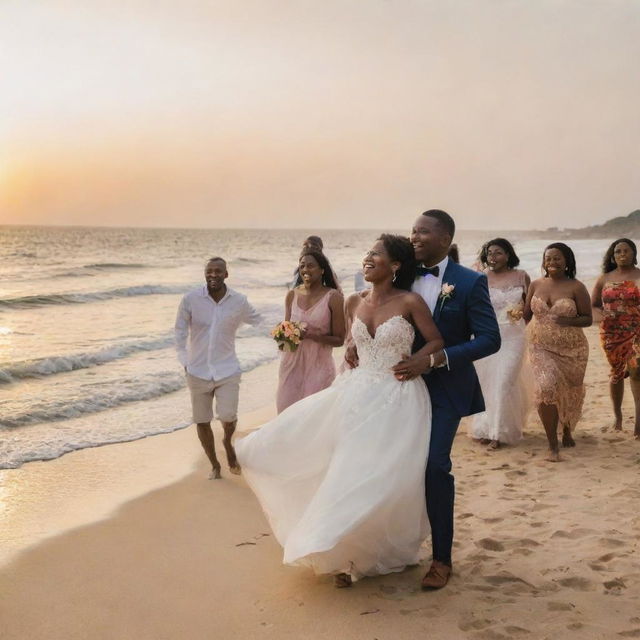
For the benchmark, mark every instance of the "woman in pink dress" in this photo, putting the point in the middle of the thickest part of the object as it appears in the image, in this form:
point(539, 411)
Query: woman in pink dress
point(318, 303)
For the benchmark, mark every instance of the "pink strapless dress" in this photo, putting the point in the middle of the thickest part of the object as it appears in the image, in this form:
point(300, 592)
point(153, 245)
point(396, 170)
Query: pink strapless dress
point(310, 368)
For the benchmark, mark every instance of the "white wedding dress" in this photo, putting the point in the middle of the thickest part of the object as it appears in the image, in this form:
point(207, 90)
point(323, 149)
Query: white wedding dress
point(504, 376)
point(340, 474)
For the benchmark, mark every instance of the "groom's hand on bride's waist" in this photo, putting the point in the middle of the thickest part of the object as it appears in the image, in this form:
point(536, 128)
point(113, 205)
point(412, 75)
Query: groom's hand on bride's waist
point(411, 367)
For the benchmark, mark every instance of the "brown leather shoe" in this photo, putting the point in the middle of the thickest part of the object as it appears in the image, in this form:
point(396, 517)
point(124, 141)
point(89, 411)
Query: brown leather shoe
point(437, 576)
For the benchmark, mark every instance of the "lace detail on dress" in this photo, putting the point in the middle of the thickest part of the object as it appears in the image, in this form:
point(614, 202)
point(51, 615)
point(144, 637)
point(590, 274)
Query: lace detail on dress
point(504, 299)
point(392, 342)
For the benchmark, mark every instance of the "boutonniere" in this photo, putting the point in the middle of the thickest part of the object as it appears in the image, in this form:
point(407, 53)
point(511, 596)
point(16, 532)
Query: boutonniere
point(446, 292)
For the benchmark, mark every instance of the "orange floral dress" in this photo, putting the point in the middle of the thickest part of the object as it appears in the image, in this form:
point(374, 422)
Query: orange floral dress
point(558, 357)
point(620, 327)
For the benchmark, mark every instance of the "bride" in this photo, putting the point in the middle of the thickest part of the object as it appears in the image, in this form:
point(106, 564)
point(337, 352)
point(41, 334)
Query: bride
point(340, 474)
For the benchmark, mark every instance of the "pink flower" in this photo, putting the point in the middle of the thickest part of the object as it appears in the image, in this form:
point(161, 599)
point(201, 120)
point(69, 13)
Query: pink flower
point(447, 289)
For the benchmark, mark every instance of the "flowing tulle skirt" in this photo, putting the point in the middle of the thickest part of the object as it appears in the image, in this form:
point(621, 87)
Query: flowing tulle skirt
point(340, 474)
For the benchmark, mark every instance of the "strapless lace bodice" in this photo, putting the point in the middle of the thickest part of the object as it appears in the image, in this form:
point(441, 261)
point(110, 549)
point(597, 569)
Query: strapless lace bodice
point(392, 342)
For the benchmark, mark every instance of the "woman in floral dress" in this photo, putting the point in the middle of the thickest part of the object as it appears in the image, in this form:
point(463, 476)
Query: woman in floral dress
point(616, 298)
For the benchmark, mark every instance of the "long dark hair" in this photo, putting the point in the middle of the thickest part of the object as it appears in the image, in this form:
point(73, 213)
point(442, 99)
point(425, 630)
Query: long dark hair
point(327, 277)
point(401, 250)
point(569, 258)
point(609, 263)
point(512, 261)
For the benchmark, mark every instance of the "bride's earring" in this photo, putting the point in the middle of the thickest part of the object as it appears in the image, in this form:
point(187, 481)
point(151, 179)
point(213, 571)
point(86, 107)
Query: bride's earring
point(395, 275)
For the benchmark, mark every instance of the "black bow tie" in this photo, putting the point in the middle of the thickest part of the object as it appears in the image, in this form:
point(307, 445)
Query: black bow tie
point(423, 271)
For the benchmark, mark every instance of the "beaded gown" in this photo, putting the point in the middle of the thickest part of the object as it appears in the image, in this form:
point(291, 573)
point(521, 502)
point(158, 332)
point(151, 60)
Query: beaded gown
point(340, 474)
point(558, 356)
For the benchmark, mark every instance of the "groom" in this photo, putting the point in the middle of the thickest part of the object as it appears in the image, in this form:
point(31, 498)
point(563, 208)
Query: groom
point(459, 301)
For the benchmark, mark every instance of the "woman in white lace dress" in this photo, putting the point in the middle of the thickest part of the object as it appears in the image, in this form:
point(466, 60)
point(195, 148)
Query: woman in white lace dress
point(340, 474)
point(503, 376)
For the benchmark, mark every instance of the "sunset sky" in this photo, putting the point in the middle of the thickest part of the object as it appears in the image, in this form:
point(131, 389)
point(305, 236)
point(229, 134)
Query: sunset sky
point(333, 113)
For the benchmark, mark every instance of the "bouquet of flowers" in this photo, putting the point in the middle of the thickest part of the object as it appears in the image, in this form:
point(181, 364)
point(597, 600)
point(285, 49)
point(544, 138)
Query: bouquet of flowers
point(288, 334)
point(515, 313)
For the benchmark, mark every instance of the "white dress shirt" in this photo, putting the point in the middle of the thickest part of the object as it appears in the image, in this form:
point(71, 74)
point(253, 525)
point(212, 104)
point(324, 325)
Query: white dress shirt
point(205, 332)
point(429, 287)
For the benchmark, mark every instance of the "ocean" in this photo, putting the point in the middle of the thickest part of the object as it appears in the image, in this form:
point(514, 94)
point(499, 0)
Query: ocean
point(86, 322)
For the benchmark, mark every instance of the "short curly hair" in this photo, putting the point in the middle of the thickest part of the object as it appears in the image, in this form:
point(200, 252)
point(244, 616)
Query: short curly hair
point(401, 250)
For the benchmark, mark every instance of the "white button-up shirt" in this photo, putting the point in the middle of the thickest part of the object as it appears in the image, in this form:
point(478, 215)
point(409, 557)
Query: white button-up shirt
point(429, 286)
point(205, 332)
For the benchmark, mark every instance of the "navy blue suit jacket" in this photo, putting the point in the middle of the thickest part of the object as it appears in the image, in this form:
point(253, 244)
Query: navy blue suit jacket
point(470, 331)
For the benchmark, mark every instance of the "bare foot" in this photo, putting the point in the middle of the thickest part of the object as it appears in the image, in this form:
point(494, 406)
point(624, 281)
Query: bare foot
point(617, 423)
point(342, 580)
point(215, 473)
point(636, 435)
point(553, 456)
point(494, 444)
point(234, 467)
point(567, 438)
point(485, 441)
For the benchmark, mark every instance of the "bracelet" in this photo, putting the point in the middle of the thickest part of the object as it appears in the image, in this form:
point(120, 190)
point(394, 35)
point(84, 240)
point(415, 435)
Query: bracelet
point(431, 360)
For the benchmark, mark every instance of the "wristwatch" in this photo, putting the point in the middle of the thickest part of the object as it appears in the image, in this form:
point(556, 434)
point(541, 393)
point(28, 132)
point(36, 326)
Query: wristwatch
point(432, 364)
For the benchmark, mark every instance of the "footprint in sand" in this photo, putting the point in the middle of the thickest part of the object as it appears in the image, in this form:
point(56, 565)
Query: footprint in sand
point(522, 552)
point(512, 630)
point(574, 534)
point(528, 542)
point(632, 633)
point(560, 606)
point(490, 544)
point(612, 542)
point(505, 577)
point(607, 557)
point(474, 624)
point(578, 583)
point(541, 506)
point(614, 586)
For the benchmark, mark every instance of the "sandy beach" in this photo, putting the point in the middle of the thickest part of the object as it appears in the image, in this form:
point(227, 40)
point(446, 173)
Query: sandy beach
point(541, 550)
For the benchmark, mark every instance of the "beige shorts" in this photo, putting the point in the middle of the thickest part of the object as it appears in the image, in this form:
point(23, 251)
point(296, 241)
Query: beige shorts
point(225, 391)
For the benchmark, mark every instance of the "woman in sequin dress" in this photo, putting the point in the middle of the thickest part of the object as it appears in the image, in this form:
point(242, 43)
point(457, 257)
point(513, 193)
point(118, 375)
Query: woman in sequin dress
point(557, 308)
point(616, 299)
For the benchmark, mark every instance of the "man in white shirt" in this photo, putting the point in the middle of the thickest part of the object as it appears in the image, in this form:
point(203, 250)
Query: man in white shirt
point(205, 331)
